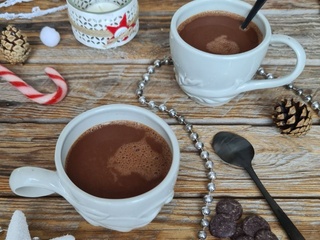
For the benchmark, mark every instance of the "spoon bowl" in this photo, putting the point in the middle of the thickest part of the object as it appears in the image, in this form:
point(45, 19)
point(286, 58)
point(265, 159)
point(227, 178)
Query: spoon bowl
point(238, 151)
point(235, 150)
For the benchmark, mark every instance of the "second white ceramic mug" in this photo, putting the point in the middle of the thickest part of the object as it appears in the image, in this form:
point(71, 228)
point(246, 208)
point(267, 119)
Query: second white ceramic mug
point(212, 79)
point(117, 214)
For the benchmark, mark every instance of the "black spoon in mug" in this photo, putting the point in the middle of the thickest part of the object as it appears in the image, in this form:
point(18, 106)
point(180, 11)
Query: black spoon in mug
point(256, 7)
point(238, 151)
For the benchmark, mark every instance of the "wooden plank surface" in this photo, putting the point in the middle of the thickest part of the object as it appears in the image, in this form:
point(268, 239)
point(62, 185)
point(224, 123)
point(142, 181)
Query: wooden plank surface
point(288, 167)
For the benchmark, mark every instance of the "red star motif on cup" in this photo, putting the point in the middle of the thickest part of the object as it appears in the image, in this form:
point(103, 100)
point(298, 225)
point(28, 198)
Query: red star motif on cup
point(121, 28)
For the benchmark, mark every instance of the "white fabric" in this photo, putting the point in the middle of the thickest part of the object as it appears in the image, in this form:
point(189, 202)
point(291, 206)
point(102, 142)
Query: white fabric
point(66, 237)
point(9, 3)
point(36, 12)
point(18, 229)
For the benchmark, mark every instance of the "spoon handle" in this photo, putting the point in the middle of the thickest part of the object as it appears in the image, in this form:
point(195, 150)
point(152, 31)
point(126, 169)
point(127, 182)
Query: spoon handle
point(284, 220)
point(256, 7)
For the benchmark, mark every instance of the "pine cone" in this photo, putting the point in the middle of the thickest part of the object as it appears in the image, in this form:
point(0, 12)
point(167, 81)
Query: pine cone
point(14, 45)
point(292, 117)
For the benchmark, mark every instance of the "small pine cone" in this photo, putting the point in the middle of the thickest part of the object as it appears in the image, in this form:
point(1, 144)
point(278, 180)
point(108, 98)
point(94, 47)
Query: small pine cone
point(292, 117)
point(14, 45)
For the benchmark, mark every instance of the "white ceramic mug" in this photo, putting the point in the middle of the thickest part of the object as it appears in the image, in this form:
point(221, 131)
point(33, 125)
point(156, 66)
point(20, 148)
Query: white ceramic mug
point(212, 79)
point(117, 214)
point(104, 24)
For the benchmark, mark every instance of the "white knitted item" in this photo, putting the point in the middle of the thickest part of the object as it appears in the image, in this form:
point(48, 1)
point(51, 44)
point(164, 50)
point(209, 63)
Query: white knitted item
point(35, 12)
point(9, 3)
point(66, 237)
point(18, 229)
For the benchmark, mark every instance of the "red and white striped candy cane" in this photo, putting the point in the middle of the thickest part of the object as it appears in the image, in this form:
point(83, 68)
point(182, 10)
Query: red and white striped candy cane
point(33, 94)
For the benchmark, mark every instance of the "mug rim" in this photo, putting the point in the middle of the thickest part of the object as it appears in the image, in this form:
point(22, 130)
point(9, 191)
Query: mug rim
point(71, 3)
point(173, 142)
point(193, 4)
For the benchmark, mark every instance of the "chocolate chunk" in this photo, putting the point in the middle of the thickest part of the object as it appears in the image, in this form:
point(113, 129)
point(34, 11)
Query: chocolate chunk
point(229, 206)
point(222, 226)
point(265, 235)
point(253, 224)
point(245, 237)
point(238, 233)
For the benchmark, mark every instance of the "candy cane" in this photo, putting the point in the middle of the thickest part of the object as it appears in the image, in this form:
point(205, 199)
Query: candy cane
point(33, 94)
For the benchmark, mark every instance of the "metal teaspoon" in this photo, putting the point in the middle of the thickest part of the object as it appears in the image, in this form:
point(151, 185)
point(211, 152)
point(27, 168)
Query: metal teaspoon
point(238, 151)
point(256, 7)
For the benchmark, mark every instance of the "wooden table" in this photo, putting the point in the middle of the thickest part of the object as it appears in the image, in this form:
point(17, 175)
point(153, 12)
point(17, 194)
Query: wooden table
point(288, 167)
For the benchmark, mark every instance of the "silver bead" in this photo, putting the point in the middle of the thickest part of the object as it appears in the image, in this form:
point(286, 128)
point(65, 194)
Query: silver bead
point(146, 77)
point(35, 238)
point(167, 60)
point(290, 86)
point(157, 63)
point(269, 76)
point(162, 107)
point(205, 211)
point(212, 175)
point(172, 113)
point(208, 198)
point(204, 222)
point(202, 235)
point(308, 98)
point(142, 100)
point(139, 92)
point(151, 69)
point(261, 71)
point(299, 92)
point(209, 164)
point(151, 104)
point(188, 127)
point(315, 105)
point(198, 145)
point(141, 85)
point(181, 119)
point(194, 136)
point(204, 155)
point(211, 187)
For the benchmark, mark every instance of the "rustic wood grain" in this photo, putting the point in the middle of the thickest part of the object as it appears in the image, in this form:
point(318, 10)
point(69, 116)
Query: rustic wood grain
point(288, 167)
point(91, 87)
point(177, 220)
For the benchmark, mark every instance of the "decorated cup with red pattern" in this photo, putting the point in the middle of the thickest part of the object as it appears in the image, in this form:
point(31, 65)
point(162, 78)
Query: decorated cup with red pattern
point(104, 24)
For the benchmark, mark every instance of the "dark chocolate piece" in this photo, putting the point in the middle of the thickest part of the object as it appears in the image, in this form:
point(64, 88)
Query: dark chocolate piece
point(239, 232)
point(253, 224)
point(245, 237)
point(230, 206)
point(265, 235)
point(222, 226)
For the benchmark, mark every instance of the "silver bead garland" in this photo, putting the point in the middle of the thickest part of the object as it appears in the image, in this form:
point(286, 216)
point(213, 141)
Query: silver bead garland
point(315, 105)
point(204, 155)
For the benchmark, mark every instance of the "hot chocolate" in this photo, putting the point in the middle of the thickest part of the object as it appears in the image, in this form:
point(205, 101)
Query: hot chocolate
point(219, 32)
point(119, 159)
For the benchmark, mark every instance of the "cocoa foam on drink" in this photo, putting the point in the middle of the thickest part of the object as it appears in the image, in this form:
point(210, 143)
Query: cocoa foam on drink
point(120, 159)
point(139, 157)
point(219, 32)
point(222, 45)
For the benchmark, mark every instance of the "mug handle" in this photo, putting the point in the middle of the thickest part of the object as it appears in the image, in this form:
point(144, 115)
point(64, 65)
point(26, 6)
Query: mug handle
point(40, 182)
point(35, 182)
point(270, 83)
